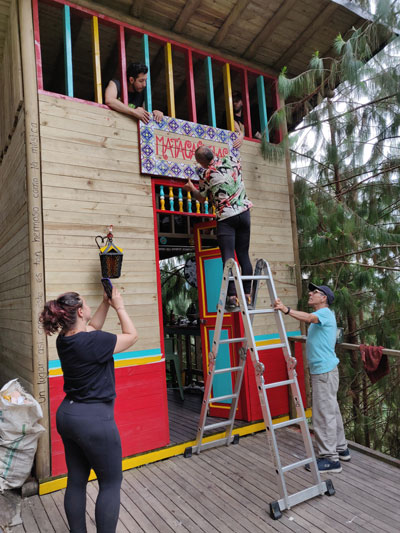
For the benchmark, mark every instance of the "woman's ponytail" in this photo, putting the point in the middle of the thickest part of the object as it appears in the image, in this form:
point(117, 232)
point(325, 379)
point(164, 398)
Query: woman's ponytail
point(60, 314)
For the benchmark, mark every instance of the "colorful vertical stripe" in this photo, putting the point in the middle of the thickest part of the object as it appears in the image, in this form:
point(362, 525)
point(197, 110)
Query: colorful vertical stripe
point(246, 104)
point(96, 61)
point(210, 92)
point(262, 106)
point(169, 74)
point(122, 65)
point(146, 61)
point(226, 75)
point(191, 94)
point(68, 71)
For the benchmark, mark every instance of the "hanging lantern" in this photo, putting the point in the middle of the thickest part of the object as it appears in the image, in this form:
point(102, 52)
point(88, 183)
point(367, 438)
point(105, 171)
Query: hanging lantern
point(110, 256)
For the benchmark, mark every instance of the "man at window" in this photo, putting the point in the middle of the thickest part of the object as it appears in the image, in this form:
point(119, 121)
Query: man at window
point(137, 80)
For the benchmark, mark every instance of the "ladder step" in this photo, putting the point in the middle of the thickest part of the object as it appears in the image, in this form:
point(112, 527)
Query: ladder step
point(270, 347)
point(298, 464)
point(230, 369)
point(221, 398)
point(255, 278)
point(217, 425)
point(230, 341)
point(290, 422)
point(260, 311)
point(279, 384)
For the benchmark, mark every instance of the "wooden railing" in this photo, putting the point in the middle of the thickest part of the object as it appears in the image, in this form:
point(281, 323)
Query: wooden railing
point(369, 409)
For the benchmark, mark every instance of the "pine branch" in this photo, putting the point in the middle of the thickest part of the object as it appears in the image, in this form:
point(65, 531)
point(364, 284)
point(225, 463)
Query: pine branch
point(365, 250)
point(396, 269)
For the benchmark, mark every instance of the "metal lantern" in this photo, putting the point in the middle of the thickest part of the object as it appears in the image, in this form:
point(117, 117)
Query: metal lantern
point(110, 256)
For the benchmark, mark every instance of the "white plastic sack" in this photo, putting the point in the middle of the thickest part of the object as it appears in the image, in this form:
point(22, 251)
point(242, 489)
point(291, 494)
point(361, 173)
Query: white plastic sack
point(19, 433)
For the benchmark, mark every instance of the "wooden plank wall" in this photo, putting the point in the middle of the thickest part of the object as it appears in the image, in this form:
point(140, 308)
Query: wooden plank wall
point(90, 175)
point(15, 314)
point(91, 179)
point(271, 232)
point(15, 307)
point(11, 81)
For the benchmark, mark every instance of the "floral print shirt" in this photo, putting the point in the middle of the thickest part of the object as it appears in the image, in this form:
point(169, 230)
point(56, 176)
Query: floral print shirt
point(223, 179)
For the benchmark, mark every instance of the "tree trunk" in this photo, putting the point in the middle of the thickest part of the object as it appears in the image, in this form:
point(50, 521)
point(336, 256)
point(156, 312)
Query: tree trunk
point(355, 384)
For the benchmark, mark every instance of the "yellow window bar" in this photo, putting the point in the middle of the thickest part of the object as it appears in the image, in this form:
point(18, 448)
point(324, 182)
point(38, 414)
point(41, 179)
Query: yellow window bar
point(226, 73)
point(96, 61)
point(169, 74)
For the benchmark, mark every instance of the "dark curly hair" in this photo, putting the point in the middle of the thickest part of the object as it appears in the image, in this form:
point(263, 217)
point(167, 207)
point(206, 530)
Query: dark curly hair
point(60, 314)
point(134, 69)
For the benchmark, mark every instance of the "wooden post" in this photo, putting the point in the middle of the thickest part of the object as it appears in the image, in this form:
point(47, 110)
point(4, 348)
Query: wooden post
point(98, 96)
point(146, 61)
point(226, 73)
point(68, 70)
point(35, 221)
point(169, 80)
point(262, 107)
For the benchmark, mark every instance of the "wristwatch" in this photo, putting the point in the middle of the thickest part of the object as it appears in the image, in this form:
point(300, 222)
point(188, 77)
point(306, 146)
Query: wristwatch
point(288, 311)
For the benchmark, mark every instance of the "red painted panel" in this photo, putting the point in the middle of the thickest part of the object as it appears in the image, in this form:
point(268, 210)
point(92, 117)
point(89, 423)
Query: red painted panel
point(141, 411)
point(38, 51)
point(275, 370)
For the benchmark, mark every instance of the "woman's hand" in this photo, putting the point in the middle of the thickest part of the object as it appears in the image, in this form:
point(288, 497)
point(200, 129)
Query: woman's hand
point(116, 301)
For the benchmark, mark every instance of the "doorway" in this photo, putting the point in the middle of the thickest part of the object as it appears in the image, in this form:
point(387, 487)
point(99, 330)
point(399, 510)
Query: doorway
point(176, 218)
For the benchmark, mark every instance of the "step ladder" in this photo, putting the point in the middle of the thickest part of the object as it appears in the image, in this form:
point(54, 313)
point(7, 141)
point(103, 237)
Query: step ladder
point(262, 273)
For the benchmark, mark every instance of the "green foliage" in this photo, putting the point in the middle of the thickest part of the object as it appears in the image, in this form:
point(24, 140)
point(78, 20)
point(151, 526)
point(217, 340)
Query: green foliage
point(346, 166)
point(177, 295)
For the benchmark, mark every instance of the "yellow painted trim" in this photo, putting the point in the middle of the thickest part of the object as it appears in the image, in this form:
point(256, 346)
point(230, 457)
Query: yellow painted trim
point(135, 361)
point(98, 96)
point(226, 74)
point(51, 485)
point(169, 80)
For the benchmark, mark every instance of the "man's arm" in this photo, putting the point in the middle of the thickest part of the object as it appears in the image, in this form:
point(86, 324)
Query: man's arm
point(237, 143)
point(193, 191)
point(309, 318)
point(111, 99)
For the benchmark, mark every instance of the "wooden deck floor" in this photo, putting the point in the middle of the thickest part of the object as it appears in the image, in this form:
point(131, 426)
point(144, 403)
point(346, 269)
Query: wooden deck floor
point(184, 415)
point(228, 490)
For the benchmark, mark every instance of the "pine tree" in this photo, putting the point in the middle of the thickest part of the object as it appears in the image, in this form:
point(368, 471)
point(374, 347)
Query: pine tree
point(346, 164)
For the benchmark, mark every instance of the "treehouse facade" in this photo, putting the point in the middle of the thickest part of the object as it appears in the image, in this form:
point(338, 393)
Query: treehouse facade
point(70, 167)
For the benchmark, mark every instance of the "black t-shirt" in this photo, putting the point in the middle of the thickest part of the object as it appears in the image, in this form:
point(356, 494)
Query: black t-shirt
point(88, 365)
point(135, 98)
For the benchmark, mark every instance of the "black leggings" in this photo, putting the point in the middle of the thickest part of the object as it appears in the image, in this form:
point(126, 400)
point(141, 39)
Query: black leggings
point(91, 440)
point(233, 235)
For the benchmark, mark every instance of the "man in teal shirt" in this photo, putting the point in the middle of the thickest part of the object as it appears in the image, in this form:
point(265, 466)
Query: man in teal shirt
point(322, 362)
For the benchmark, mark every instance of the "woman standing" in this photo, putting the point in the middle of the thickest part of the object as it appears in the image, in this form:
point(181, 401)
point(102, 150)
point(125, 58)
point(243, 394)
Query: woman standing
point(85, 418)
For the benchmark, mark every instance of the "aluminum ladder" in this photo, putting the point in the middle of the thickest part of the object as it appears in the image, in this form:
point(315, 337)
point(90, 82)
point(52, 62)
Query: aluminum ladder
point(262, 273)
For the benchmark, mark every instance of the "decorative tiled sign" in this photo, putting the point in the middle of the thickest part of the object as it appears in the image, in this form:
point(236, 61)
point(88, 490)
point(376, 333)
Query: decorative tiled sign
point(167, 148)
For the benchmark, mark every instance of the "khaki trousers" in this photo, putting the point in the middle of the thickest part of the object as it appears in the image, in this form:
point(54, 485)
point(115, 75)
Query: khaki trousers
point(327, 420)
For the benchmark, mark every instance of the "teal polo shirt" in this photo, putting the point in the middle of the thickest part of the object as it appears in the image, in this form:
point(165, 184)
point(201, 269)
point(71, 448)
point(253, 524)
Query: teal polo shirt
point(321, 340)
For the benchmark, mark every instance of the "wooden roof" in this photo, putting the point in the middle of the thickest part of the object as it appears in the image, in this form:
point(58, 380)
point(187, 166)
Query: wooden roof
point(268, 35)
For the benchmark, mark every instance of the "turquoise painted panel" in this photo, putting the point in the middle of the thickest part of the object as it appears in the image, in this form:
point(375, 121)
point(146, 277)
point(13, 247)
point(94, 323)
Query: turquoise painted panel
point(68, 70)
point(210, 92)
point(146, 61)
point(213, 278)
point(262, 106)
point(222, 384)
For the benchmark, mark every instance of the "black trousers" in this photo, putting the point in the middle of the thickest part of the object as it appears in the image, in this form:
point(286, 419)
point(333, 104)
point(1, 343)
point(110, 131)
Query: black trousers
point(233, 235)
point(91, 440)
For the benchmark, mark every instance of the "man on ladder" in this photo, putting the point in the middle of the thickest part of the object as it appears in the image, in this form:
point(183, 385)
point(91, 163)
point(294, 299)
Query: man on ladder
point(322, 361)
point(222, 178)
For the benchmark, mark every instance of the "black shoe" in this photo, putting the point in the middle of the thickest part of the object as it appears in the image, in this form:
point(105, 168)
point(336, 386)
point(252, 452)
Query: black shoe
point(326, 465)
point(345, 455)
point(232, 304)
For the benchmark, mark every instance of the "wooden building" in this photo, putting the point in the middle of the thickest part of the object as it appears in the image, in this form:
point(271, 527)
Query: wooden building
point(70, 167)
